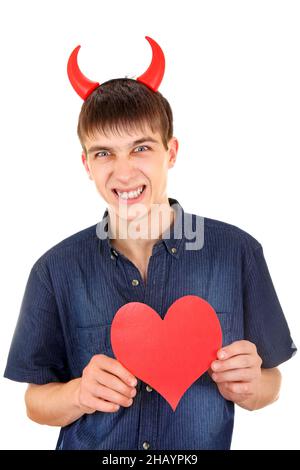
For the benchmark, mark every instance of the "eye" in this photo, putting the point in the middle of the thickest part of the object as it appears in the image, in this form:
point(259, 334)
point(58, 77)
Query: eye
point(142, 146)
point(98, 153)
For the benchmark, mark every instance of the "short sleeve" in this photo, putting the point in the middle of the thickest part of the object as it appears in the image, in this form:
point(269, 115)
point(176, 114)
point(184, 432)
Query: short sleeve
point(37, 352)
point(264, 321)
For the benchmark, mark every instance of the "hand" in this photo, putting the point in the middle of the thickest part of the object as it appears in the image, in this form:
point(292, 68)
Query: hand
point(105, 385)
point(237, 372)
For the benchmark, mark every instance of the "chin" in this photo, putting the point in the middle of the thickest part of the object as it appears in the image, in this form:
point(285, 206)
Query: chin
point(133, 212)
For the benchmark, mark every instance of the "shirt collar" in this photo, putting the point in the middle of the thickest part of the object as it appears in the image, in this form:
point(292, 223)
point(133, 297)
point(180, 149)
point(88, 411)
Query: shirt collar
point(171, 240)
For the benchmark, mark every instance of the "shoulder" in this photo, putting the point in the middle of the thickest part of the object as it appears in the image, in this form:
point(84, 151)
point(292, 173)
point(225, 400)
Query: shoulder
point(220, 237)
point(68, 248)
point(224, 232)
point(230, 242)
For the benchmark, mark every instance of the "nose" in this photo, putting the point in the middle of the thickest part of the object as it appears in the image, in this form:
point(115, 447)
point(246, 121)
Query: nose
point(123, 170)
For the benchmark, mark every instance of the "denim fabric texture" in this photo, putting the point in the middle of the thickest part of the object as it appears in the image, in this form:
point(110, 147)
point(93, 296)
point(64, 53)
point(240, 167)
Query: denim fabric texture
point(75, 289)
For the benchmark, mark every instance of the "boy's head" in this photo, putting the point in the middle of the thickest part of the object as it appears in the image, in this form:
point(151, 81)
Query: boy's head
point(113, 118)
point(123, 104)
point(126, 131)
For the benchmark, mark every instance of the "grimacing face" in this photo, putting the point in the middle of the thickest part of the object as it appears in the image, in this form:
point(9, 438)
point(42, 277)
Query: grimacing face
point(127, 162)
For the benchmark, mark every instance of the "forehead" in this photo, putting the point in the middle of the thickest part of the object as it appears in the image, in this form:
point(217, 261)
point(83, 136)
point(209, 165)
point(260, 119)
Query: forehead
point(122, 138)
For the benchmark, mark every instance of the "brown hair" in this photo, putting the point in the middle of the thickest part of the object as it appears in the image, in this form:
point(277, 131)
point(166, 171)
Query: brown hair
point(123, 104)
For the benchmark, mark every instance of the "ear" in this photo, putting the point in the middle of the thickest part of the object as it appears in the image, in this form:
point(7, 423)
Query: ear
point(86, 165)
point(173, 145)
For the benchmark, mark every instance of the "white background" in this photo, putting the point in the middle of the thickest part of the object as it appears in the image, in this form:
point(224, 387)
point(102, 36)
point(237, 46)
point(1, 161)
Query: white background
point(232, 78)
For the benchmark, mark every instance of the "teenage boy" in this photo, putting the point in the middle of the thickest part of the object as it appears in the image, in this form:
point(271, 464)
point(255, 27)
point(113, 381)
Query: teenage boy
point(61, 346)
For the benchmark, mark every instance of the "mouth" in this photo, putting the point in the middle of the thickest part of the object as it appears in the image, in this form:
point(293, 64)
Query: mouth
point(131, 196)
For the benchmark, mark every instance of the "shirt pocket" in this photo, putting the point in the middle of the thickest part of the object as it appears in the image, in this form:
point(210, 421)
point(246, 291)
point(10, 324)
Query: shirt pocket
point(92, 340)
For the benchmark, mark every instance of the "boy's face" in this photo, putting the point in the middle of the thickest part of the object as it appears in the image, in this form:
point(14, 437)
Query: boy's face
point(126, 163)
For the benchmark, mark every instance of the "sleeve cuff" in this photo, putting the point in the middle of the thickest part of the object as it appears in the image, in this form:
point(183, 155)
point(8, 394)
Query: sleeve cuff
point(40, 377)
point(285, 355)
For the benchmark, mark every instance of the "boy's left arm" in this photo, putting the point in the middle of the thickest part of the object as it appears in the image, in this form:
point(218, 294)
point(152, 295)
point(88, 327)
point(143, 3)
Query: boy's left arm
point(240, 378)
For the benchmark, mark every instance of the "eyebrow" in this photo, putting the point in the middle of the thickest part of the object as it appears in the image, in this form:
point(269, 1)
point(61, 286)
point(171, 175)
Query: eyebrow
point(135, 142)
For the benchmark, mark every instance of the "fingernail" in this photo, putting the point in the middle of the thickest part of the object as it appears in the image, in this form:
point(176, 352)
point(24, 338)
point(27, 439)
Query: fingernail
point(133, 382)
point(222, 354)
point(215, 365)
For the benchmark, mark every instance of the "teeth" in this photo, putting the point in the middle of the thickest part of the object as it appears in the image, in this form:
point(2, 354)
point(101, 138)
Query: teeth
point(131, 194)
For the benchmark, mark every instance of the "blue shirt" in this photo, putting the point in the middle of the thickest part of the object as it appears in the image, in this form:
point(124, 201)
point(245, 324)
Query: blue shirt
point(74, 291)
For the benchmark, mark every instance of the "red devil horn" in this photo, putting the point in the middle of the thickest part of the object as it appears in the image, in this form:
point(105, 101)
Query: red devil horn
point(81, 84)
point(155, 72)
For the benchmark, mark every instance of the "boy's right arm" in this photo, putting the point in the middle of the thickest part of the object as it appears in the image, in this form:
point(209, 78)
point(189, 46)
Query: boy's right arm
point(105, 385)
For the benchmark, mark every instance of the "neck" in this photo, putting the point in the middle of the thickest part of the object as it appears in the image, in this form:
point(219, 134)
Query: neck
point(138, 236)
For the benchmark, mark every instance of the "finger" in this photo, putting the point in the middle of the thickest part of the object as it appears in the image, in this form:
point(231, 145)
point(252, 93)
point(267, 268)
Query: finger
point(105, 393)
point(238, 388)
point(116, 368)
point(238, 347)
point(232, 391)
point(98, 404)
point(114, 383)
point(235, 362)
point(235, 375)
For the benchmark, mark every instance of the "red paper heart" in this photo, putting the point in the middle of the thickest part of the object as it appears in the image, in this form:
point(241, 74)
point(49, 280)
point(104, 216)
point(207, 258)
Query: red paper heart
point(168, 354)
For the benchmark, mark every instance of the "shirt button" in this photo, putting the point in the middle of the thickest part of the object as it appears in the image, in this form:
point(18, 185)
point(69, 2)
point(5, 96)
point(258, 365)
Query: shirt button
point(112, 257)
point(148, 388)
point(173, 250)
point(146, 445)
point(135, 282)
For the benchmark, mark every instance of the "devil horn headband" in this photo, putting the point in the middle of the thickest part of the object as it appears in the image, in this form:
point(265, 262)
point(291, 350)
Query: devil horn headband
point(152, 77)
